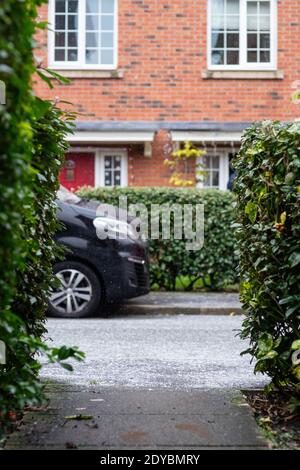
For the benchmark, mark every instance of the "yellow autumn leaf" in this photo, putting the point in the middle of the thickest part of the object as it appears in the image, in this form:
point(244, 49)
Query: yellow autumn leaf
point(283, 218)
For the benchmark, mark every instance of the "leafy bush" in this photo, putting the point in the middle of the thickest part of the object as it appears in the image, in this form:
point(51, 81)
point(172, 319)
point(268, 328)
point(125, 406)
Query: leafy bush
point(215, 264)
point(268, 211)
point(49, 129)
point(32, 149)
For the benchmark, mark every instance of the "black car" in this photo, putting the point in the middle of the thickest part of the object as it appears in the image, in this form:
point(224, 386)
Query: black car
point(97, 269)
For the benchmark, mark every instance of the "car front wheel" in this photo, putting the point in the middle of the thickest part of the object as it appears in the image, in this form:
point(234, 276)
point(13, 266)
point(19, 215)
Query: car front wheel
point(79, 293)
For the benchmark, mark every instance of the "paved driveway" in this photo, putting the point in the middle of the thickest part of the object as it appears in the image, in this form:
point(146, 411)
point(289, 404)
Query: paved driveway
point(155, 352)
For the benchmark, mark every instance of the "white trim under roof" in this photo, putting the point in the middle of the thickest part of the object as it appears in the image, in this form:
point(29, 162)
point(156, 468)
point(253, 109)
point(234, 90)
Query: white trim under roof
point(204, 136)
point(111, 137)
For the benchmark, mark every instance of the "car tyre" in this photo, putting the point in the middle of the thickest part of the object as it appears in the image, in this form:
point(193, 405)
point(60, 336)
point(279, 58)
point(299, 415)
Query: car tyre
point(80, 293)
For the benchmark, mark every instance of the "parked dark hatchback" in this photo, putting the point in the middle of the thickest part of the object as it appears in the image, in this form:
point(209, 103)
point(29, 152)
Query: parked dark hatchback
point(95, 271)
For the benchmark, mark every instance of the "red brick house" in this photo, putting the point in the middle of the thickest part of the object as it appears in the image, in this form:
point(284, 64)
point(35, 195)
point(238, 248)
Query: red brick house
point(147, 75)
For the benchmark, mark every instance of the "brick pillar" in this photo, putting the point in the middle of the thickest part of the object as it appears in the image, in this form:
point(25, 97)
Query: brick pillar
point(162, 147)
point(145, 171)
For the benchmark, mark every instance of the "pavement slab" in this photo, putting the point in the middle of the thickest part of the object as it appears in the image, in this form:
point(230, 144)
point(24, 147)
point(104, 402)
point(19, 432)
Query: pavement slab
point(139, 419)
point(148, 382)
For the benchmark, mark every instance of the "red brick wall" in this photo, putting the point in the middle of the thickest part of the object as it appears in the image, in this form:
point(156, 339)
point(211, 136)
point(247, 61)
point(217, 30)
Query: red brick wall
point(162, 49)
point(143, 171)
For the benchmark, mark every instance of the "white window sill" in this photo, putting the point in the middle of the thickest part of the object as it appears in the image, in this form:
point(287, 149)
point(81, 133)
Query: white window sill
point(244, 74)
point(67, 73)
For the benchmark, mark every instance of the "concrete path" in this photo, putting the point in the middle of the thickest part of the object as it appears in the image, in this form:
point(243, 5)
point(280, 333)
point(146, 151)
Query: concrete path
point(149, 382)
point(188, 303)
point(139, 419)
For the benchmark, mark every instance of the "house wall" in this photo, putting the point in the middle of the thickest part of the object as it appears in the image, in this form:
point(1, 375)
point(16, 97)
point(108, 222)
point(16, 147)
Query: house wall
point(145, 171)
point(162, 56)
point(162, 50)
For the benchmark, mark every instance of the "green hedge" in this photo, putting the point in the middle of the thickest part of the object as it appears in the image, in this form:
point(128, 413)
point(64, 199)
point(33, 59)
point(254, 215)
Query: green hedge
point(214, 265)
point(32, 147)
point(268, 230)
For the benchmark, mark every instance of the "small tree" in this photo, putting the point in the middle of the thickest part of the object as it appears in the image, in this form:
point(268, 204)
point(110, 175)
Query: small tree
point(179, 163)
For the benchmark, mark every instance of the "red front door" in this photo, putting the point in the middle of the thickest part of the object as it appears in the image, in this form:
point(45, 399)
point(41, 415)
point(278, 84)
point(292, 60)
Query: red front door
point(79, 170)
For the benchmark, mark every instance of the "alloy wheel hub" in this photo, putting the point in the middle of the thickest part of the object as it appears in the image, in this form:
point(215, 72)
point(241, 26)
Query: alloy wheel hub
point(74, 293)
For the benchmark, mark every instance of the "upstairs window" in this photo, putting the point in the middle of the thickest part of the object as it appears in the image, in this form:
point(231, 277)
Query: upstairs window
point(242, 34)
point(83, 34)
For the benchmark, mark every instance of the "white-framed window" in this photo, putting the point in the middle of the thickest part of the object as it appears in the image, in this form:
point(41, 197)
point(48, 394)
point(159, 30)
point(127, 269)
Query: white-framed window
point(111, 169)
point(242, 34)
point(215, 165)
point(83, 34)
